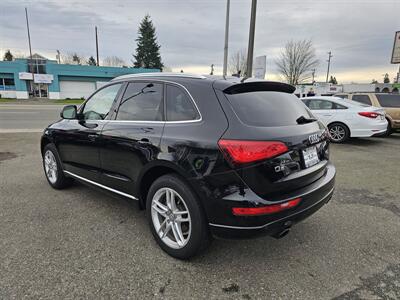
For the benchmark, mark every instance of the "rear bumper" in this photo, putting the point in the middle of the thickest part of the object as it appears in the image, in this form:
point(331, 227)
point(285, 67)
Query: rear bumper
point(372, 131)
point(313, 198)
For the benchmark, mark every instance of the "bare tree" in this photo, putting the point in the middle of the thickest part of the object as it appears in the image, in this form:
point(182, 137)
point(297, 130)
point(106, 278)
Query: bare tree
point(113, 61)
point(73, 58)
point(297, 61)
point(166, 69)
point(238, 63)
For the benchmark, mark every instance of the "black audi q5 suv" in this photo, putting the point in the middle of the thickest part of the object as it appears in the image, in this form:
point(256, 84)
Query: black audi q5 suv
point(204, 156)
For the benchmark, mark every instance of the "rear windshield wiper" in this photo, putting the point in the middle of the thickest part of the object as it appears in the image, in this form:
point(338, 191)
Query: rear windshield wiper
point(304, 120)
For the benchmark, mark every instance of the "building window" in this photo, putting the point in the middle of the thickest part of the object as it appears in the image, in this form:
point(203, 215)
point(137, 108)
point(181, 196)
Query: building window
point(37, 66)
point(7, 84)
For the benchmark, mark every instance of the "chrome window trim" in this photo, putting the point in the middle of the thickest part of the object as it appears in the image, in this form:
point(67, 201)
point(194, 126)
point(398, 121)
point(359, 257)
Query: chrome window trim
point(100, 185)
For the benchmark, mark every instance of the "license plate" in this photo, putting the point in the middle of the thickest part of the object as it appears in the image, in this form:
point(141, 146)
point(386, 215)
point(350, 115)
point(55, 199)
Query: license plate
point(310, 156)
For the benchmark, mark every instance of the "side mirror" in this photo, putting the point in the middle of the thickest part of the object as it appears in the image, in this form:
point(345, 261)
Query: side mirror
point(69, 112)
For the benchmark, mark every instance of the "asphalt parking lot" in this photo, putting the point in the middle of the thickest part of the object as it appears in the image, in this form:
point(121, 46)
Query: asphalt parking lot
point(83, 243)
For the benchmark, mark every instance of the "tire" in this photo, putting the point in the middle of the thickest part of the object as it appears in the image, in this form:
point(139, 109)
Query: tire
point(193, 234)
point(389, 130)
point(338, 132)
point(53, 168)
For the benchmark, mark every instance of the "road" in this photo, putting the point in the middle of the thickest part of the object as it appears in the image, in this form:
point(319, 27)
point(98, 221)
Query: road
point(27, 117)
point(84, 243)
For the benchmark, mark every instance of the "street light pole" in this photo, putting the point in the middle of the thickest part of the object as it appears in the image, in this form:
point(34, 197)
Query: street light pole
point(329, 64)
point(250, 49)
point(97, 47)
point(30, 49)
point(225, 67)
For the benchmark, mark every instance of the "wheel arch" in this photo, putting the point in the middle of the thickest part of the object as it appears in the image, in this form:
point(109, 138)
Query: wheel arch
point(150, 173)
point(342, 123)
point(45, 140)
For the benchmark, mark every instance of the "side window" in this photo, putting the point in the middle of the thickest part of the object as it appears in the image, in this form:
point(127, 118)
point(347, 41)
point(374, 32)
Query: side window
point(99, 105)
point(343, 96)
point(339, 106)
point(179, 106)
point(362, 99)
point(320, 104)
point(142, 101)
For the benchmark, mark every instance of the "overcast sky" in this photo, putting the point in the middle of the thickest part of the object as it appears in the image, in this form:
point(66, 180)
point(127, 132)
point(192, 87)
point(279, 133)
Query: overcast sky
point(359, 33)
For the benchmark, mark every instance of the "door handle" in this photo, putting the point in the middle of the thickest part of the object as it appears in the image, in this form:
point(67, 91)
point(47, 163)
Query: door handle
point(144, 141)
point(92, 137)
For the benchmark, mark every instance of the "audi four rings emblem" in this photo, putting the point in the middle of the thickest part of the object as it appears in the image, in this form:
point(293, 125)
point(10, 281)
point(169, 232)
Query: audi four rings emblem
point(314, 138)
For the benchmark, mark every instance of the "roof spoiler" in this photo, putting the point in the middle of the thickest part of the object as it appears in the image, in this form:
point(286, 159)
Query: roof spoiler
point(258, 86)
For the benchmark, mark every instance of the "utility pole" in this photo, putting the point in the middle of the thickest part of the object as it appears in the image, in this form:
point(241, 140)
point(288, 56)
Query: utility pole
point(313, 75)
point(250, 49)
point(398, 75)
point(228, 3)
point(30, 48)
point(97, 47)
point(329, 64)
point(59, 56)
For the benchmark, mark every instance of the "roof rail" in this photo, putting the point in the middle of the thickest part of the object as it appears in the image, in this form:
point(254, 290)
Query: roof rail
point(159, 74)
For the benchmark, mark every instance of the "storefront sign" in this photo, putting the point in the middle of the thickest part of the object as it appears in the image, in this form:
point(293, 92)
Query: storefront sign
point(43, 78)
point(25, 76)
point(260, 67)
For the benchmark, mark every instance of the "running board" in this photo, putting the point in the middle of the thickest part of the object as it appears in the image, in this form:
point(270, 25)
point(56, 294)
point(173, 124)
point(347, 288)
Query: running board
point(100, 185)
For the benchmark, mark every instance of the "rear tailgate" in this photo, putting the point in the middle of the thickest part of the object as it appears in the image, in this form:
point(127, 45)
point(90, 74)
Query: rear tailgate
point(265, 115)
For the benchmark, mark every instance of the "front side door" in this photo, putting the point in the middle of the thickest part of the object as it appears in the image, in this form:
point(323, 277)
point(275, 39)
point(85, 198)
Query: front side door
point(79, 143)
point(133, 137)
point(324, 110)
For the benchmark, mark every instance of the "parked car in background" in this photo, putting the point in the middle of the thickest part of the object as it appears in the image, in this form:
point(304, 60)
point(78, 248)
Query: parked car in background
point(389, 102)
point(346, 118)
point(202, 155)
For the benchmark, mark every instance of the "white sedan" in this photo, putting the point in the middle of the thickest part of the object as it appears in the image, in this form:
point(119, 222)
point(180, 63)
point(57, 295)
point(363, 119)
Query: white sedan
point(346, 118)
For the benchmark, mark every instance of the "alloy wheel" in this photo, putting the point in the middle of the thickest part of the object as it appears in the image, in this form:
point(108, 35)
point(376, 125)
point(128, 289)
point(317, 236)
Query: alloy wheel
point(50, 166)
point(337, 133)
point(171, 218)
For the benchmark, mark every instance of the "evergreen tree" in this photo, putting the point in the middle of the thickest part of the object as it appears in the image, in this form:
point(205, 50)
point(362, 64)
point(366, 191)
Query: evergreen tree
point(148, 50)
point(386, 78)
point(8, 56)
point(76, 59)
point(333, 80)
point(91, 61)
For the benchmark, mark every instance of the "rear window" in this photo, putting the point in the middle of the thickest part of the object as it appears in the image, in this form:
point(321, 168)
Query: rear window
point(269, 109)
point(362, 99)
point(388, 100)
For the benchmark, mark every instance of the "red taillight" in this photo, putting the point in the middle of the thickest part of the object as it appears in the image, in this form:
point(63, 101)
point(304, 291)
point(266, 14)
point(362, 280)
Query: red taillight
point(249, 151)
point(369, 114)
point(265, 210)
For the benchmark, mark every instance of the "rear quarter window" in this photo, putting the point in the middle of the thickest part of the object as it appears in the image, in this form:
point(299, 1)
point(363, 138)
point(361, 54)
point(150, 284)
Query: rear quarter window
point(362, 99)
point(388, 100)
point(268, 109)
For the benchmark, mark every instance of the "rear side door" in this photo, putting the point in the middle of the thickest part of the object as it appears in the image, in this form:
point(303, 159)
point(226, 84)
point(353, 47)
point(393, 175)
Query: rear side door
point(132, 138)
point(324, 110)
point(78, 144)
